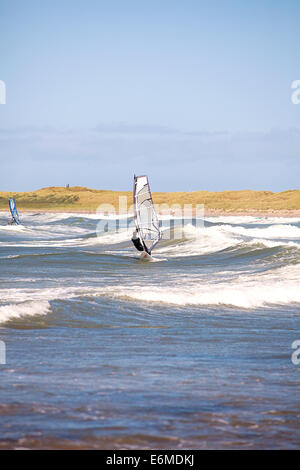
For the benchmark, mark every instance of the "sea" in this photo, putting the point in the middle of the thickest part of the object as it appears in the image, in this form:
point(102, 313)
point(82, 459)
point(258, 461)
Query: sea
point(197, 349)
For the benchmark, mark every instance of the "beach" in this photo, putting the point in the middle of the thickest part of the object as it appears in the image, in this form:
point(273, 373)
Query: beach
point(86, 200)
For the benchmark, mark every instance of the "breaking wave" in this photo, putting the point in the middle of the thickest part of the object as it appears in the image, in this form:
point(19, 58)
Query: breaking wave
point(30, 308)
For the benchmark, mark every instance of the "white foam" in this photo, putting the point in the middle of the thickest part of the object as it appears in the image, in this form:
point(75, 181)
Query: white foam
point(247, 219)
point(30, 308)
point(207, 240)
point(275, 287)
point(112, 238)
point(12, 228)
point(113, 216)
point(20, 295)
point(279, 287)
point(271, 232)
point(56, 216)
point(200, 241)
point(72, 242)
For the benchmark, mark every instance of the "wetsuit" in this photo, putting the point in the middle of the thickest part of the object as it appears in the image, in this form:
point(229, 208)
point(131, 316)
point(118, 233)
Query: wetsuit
point(137, 242)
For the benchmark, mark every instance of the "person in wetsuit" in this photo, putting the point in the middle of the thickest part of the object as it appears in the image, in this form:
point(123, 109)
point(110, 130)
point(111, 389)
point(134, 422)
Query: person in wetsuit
point(137, 242)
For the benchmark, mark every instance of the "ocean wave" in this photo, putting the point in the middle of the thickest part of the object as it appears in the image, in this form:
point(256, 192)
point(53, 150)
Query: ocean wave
point(12, 228)
point(180, 241)
point(248, 219)
point(271, 232)
point(279, 287)
point(114, 238)
point(196, 241)
point(88, 239)
point(29, 308)
point(59, 216)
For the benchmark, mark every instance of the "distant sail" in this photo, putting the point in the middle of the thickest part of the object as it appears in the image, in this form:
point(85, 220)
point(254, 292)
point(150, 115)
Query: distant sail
point(146, 219)
point(14, 212)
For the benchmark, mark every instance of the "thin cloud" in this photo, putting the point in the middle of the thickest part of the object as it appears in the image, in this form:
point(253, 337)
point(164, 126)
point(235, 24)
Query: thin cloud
point(179, 160)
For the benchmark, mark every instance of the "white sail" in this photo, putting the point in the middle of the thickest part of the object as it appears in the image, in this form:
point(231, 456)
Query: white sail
point(146, 220)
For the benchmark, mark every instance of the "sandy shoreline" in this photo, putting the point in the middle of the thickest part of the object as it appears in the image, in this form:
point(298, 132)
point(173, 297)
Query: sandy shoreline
point(207, 212)
point(254, 213)
point(78, 199)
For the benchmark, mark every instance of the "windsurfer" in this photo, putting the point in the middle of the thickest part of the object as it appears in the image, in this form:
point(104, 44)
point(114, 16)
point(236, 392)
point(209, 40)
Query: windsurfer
point(137, 241)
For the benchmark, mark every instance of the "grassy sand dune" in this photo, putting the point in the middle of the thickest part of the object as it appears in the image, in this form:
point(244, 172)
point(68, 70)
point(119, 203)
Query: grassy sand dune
point(79, 198)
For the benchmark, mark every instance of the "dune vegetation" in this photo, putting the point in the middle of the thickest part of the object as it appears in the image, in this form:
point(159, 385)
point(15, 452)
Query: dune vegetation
point(78, 198)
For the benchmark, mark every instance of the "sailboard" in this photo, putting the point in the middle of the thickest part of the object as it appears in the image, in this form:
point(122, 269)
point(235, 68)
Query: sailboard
point(14, 212)
point(146, 220)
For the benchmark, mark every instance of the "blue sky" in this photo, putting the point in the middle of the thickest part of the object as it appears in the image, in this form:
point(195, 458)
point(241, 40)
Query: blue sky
point(196, 94)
